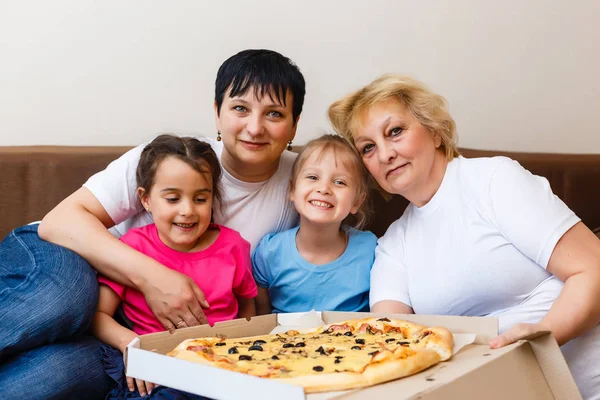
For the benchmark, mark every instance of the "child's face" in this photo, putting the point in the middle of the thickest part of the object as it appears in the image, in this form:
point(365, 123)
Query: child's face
point(181, 203)
point(326, 188)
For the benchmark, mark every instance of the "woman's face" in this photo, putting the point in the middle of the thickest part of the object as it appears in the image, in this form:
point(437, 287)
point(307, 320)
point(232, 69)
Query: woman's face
point(400, 153)
point(255, 133)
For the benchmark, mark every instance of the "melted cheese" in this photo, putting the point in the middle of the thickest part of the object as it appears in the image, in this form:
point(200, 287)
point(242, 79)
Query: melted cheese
point(318, 355)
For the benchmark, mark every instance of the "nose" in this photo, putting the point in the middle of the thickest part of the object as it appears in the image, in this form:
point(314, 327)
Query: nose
point(323, 187)
point(185, 208)
point(386, 152)
point(255, 125)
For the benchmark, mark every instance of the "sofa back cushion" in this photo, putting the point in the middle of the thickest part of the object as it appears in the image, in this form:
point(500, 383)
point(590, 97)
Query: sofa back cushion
point(33, 179)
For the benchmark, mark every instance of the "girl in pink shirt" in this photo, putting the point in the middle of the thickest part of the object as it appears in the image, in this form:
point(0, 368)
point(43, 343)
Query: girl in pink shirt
point(177, 182)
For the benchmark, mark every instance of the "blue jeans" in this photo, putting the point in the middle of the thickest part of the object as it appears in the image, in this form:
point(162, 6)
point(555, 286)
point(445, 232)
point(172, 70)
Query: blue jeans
point(48, 297)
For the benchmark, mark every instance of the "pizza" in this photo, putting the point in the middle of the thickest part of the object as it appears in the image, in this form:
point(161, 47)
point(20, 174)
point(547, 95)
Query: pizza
point(344, 355)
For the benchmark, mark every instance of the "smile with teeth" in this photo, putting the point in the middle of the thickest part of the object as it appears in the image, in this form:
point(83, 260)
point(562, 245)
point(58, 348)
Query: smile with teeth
point(184, 225)
point(320, 204)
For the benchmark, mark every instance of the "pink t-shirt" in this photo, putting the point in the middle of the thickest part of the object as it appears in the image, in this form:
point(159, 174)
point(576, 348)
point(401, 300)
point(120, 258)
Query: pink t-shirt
point(222, 271)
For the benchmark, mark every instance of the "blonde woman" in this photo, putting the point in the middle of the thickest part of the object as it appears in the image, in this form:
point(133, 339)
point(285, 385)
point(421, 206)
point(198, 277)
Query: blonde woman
point(480, 237)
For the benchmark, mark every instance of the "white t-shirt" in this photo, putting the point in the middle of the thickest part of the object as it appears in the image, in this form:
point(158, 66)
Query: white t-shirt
point(253, 209)
point(480, 247)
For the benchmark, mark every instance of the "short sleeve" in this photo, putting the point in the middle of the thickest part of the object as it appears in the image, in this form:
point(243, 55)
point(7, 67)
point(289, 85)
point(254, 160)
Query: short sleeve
point(117, 287)
point(260, 263)
point(527, 212)
point(389, 278)
point(116, 187)
point(243, 282)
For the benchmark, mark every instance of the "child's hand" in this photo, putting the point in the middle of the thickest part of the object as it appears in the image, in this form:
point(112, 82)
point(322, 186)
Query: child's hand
point(143, 387)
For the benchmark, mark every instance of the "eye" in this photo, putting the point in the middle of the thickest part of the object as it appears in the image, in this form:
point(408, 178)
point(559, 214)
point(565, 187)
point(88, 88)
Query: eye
point(396, 131)
point(240, 109)
point(367, 148)
point(312, 177)
point(339, 182)
point(201, 200)
point(171, 199)
point(275, 114)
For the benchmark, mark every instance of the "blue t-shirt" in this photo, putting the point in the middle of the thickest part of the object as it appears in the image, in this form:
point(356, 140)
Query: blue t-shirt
point(295, 285)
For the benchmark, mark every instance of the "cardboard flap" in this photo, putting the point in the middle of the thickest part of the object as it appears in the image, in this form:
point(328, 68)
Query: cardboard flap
point(554, 366)
point(135, 343)
point(163, 342)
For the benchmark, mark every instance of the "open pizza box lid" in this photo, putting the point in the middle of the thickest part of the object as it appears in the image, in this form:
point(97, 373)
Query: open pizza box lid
point(532, 368)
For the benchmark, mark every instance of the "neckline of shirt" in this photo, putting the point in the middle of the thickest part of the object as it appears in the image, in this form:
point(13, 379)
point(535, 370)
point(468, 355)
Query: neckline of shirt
point(194, 255)
point(250, 186)
point(301, 261)
point(436, 201)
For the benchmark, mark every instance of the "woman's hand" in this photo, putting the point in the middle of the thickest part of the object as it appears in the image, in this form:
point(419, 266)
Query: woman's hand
point(515, 333)
point(175, 299)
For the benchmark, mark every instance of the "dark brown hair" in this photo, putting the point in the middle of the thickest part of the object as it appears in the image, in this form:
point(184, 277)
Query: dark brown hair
point(197, 154)
point(338, 145)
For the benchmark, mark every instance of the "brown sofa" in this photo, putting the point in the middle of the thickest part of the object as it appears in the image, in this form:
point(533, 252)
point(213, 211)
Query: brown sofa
point(33, 179)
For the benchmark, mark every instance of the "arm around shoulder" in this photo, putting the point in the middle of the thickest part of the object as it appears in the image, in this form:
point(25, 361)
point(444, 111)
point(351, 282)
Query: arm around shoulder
point(80, 223)
point(110, 192)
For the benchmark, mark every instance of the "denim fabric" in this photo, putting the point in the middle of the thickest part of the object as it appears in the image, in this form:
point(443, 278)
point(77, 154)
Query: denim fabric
point(115, 368)
point(48, 295)
point(70, 370)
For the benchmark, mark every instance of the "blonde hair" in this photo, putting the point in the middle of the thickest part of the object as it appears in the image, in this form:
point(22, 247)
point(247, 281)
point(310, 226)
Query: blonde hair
point(338, 145)
point(429, 108)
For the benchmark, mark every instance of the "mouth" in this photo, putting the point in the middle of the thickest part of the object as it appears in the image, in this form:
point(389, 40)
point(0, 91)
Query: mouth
point(252, 144)
point(397, 170)
point(321, 204)
point(185, 226)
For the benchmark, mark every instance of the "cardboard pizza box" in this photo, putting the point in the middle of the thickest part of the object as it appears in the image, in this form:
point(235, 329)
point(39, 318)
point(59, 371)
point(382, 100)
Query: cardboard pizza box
point(532, 368)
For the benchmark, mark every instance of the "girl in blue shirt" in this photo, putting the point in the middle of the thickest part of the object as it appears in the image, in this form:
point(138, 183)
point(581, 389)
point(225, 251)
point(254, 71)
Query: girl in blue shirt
point(323, 264)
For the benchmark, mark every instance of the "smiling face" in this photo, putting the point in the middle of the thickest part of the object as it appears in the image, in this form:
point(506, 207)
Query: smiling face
point(325, 190)
point(399, 152)
point(255, 132)
point(181, 204)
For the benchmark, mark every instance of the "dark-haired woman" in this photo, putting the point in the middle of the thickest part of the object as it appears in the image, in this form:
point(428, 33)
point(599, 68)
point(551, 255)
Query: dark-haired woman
point(258, 100)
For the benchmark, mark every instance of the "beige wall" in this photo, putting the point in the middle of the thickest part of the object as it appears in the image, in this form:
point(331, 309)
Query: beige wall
point(519, 75)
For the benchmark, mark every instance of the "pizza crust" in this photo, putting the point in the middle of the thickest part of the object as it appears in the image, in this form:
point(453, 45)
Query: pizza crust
point(372, 375)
